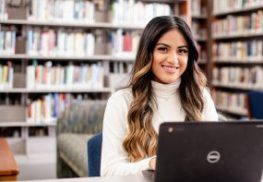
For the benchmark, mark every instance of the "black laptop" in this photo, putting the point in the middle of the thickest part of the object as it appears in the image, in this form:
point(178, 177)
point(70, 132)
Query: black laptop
point(210, 152)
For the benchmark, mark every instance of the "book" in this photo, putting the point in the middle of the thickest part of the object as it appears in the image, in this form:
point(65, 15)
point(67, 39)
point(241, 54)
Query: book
point(71, 76)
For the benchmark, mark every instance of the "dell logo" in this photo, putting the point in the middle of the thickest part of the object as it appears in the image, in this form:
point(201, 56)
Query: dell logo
point(213, 157)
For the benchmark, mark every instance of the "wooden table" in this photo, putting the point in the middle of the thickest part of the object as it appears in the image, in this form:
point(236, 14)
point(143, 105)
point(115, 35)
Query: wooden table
point(8, 167)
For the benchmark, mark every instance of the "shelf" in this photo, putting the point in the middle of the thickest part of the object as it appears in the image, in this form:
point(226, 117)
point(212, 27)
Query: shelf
point(25, 124)
point(67, 58)
point(14, 90)
point(232, 111)
point(242, 10)
point(199, 17)
point(238, 61)
point(73, 24)
point(235, 35)
point(55, 90)
point(200, 39)
point(244, 87)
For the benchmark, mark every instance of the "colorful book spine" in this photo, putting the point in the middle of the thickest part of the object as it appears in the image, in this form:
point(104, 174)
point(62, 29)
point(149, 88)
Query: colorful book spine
point(48, 108)
point(6, 76)
point(137, 13)
point(239, 24)
point(61, 42)
point(65, 11)
point(239, 76)
point(230, 5)
point(230, 101)
point(7, 40)
point(47, 76)
point(239, 50)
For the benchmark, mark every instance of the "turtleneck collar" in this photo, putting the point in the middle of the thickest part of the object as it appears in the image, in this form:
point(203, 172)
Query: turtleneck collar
point(165, 90)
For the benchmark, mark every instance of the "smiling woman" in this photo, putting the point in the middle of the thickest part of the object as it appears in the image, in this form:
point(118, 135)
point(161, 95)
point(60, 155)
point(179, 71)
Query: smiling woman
point(170, 57)
point(166, 85)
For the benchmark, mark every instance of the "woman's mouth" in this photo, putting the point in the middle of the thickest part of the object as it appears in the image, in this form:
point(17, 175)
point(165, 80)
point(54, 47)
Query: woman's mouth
point(170, 69)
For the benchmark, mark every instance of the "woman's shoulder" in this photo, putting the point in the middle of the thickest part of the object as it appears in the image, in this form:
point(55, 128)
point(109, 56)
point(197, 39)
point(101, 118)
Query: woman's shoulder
point(206, 92)
point(122, 95)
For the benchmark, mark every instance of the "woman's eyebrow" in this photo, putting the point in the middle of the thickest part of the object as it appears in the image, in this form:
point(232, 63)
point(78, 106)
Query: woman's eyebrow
point(183, 46)
point(166, 45)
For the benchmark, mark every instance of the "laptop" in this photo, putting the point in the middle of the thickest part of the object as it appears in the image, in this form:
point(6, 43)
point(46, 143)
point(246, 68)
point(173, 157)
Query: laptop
point(210, 152)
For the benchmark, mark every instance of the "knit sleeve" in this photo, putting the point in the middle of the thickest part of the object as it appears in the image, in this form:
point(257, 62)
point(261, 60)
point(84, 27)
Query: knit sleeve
point(209, 112)
point(114, 159)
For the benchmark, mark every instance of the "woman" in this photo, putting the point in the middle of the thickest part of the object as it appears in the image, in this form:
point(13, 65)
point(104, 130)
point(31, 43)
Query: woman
point(166, 85)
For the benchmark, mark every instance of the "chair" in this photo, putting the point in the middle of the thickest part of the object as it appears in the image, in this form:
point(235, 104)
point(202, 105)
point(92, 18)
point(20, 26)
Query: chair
point(255, 104)
point(94, 154)
point(75, 126)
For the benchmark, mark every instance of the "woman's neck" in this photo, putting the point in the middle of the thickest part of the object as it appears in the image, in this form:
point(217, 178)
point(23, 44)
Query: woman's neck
point(165, 90)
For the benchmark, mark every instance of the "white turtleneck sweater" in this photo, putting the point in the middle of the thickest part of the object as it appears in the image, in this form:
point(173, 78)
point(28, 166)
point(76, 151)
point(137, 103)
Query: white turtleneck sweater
point(114, 159)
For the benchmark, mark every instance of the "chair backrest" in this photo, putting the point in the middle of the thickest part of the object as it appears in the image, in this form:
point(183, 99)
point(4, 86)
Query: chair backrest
point(94, 154)
point(255, 104)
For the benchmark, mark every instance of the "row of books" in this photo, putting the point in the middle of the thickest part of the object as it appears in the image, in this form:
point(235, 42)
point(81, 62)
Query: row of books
point(84, 76)
point(47, 41)
point(48, 108)
point(3, 13)
point(7, 40)
point(70, 42)
point(239, 76)
point(251, 49)
point(197, 8)
point(133, 12)
point(122, 11)
point(120, 67)
point(62, 10)
point(231, 101)
point(124, 43)
point(232, 25)
point(198, 31)
point(6, 76)
point(230, 5)
point(202, 52)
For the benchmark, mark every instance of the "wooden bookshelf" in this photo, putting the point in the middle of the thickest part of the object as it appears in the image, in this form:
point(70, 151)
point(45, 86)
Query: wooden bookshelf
point(235, 86)
point(199, 26)
point(237, 63)
point(239, 10)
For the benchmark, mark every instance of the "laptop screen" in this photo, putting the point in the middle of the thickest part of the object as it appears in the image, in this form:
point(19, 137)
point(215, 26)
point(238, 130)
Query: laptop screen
point(210, 151)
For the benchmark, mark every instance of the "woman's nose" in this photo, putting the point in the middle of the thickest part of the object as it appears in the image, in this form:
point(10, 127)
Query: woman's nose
point(173, 58)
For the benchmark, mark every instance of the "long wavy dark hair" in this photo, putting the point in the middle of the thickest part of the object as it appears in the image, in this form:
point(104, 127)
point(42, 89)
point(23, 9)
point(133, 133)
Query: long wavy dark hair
point(141, 140)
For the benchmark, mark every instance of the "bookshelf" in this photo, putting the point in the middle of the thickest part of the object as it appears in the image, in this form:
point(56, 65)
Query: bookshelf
point(56, 53)
point(199, 26)
point(237, 53)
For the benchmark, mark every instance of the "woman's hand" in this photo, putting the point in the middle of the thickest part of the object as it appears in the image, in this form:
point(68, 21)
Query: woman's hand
point(152, 163)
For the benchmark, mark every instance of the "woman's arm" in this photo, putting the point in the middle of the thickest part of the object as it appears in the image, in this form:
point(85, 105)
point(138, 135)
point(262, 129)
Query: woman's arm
point(114, 159)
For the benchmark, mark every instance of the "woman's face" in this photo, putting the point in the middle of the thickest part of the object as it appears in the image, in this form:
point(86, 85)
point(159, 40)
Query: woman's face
point(170, 57)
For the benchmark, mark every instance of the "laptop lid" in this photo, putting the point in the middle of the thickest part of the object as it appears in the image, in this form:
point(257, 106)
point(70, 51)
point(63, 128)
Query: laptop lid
point(210, 151)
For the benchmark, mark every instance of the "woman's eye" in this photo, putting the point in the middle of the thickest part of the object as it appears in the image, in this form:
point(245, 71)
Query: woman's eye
point(183, 51)
point(162, 49)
